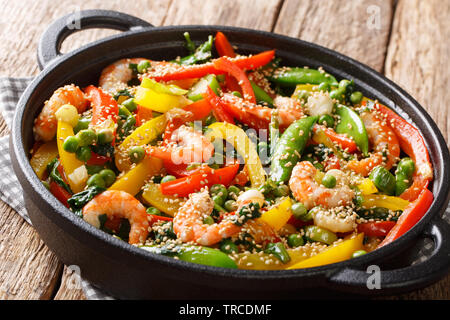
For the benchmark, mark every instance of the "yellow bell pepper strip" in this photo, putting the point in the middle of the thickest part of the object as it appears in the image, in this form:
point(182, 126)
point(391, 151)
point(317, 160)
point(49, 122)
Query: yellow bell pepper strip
point(380, 200)
point(240, 141)
point(160, 97)
point(42, 157)
point(262, 261)
point(320, 137)
point(134, 179)
point(279, 215)
point(165, 203)
point(340, 252)
point(367, 187)
point(144, 134)
point(74, 169)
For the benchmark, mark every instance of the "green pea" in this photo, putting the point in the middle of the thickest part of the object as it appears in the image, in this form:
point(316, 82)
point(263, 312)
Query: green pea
point(228, 246)
point(83, 153)
point(96, 180)
point(299, 210)
point(324, 86)
point(281, 191)
point(136, 154)
point(153, 211)
point(230, 205)
point(108, 176)
point(358, 253)
point(356, 97)
point(219, 190)
point(123, 111)
point(237, 94)
point(92, 169)
point(168, 178)
point(383, 180)
point(279, 251)
point(295, 240)
point(337, 94)
point(219, 200)
point(130, 104)
point(329, 181)
point(233, 192)
point(208, 220)
point(83, 123)
point(143, 66)
point(86, 137)
point(345, 84)
point(71, 144)
point(315, 233)
point(326, 120)
point(105, 136)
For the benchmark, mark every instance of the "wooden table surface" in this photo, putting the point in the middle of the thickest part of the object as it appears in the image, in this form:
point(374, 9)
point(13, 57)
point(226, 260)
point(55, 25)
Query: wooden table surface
point(407, 40)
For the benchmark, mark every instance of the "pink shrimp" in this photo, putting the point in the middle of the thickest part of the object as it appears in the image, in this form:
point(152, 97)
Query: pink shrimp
point(306, 190)
point(120, 204)
point(384, 142)
point(258, 117)
point(188, 222)
point(185, 146)
point(45, 124)
point(116, 76)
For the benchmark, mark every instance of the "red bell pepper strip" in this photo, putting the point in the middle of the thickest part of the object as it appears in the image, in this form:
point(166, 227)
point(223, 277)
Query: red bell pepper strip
point(103, 105)
point(225, 64)
point(60, 193)
point(219, 110)
point(155, 218)
point(179, 72)
point(241, 178)
point(184, 186)
point(143, 115)
point(223, 46)
point(410, 216)
point(376, 229)
point(341, 139)
point(97, 159)
point(180, 170)
point(413, 145)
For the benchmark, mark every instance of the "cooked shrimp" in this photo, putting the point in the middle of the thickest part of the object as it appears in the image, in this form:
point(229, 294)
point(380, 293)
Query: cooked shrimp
point(306, 190)
point(335, 221)
point(121, 204)
point(188, 222)
point(258, 117)
point(384, 142)
point(45, 124)
point(116, 76)
point(186, 146)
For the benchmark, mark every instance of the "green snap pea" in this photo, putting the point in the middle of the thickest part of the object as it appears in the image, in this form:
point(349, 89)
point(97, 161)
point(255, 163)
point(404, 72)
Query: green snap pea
point(96, 180)
point(279, 251)
point(201, 54)
point(329, 181)
point(383, 180)
point(71, 144)
point(295, 240)
point(326, 120)
point(136, 154)
point(130, 104)
point(227, 246)
point(290, 147)
point(124, 112)
point(108, 176)
point(260, 95)
point(324, 86)
point(315, 233)
point(358, 253)
point(83, 153)
point(290, 77)
point(338, 95)
point(86, 137)
point(350, 123)
point(168, 178)
point(207, 256)
point(403, 175)
point(198, 89)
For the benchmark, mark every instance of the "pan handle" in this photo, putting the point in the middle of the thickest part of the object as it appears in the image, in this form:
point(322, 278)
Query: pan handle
point(414, 276)
point(50, 42)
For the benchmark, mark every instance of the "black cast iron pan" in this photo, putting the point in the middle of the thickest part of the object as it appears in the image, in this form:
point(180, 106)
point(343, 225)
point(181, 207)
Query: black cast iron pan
point(129, 272)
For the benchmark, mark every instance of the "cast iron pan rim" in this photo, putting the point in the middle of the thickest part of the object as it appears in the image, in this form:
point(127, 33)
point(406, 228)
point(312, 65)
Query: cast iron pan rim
point(61, 210)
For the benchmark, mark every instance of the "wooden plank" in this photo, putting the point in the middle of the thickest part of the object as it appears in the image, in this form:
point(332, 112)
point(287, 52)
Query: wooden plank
point(70, 288)
point(359, 29)
point(255, 14)
point(417, 58)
